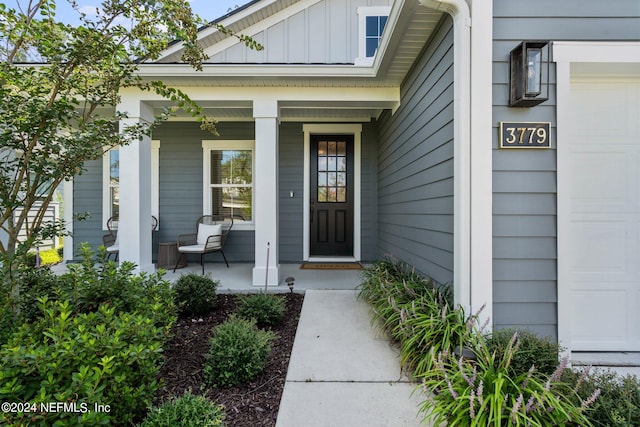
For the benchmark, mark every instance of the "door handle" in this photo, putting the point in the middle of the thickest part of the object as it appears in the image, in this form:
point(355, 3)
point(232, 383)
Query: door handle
point(312, 210)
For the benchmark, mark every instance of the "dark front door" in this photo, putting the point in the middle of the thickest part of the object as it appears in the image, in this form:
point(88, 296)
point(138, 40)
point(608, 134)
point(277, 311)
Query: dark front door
point(331, 216)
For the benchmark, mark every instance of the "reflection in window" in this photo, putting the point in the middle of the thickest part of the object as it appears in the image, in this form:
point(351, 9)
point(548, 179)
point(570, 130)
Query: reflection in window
point(373, 33)
point(332, 171)
point(114, 182)
point(232, 183)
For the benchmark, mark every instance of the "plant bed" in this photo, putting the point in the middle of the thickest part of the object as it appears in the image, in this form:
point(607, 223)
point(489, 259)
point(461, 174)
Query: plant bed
point(250, 404)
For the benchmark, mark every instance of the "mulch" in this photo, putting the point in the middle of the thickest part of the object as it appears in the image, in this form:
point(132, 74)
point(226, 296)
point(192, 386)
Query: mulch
point(252, 404)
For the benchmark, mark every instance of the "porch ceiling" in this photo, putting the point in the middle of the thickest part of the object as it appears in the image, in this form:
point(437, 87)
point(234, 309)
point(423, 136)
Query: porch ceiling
point(307, 111)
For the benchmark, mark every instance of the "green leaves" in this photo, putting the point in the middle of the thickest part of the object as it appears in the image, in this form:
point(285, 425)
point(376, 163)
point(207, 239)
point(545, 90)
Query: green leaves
point(97, 338)
point(60, 87)
point(238, 352)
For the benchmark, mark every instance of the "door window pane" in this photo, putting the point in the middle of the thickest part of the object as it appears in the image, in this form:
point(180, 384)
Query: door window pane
point(332, 185)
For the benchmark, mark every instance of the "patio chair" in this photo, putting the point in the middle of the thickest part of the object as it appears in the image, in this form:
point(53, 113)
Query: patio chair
point(210, 236)
point(111, 241)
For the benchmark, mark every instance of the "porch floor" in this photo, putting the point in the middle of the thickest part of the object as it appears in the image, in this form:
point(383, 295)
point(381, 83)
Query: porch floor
point(238, 277)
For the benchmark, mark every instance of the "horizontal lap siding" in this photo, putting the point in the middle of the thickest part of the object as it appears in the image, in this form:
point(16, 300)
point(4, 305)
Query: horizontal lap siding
point(524, 182)
point(181, 183)
point(415, 165)
point(87, 198)
point(291, 168)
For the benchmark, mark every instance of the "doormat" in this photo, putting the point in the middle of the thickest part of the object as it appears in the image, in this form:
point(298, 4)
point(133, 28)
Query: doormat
point(331, 266)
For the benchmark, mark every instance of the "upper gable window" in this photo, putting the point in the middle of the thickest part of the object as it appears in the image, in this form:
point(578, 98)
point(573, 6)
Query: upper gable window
point(374, 26)
point(371, 23)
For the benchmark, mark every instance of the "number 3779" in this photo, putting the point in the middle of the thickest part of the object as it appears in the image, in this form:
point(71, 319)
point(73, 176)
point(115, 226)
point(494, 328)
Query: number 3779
point(524, 135)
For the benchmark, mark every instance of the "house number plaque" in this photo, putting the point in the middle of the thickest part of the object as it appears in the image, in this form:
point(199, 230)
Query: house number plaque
point(524, 135)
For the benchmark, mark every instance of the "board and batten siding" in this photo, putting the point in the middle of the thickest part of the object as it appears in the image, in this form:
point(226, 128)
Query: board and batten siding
point(524, 181)
point(323, 33)
point(415, 164)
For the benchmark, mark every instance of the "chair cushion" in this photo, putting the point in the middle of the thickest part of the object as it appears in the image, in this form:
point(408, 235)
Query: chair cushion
point(113, 248)
point(192, 249)
point(206, 230)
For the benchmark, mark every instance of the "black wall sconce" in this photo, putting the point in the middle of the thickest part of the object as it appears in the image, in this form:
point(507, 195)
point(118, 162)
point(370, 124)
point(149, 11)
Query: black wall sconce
point(529, 74)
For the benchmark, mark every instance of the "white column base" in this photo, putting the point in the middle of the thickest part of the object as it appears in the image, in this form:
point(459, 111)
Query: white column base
point(259, 276)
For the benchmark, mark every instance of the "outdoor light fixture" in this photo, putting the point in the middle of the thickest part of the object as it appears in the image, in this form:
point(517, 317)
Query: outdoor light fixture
point(529, 74)
point(290, 283)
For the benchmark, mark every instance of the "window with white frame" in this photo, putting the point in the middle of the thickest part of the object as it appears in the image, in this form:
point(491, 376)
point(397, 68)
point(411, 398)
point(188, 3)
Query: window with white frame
point(228, 180)
point(371, 23)
point(111, 183)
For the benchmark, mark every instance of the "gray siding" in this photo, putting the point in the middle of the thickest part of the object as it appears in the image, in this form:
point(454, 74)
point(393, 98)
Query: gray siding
point(87, 198)
point(415, 165)
point(524, 182)
point(291, 179)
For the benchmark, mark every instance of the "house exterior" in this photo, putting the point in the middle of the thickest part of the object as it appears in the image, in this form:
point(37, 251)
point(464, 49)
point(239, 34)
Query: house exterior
point(368, 128)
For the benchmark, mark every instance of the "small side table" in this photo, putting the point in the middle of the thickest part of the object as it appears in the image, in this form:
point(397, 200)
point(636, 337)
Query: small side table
point(168, 256)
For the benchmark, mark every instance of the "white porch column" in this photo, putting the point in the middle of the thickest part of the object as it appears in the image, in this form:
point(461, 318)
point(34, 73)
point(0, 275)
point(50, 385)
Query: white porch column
point(265, 181)
point(134, 228)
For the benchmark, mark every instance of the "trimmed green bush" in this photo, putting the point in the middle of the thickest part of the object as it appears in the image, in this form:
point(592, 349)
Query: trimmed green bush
point(91, 336)
point(186, 411)
point(104, 357)
point(238, 352)
point(266, 309)
point(195, 294)
point(533, 350)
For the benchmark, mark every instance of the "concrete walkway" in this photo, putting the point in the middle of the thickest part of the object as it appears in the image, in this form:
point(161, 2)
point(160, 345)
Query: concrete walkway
point(342, 372)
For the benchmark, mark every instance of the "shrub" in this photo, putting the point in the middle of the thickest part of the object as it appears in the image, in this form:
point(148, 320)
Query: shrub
point(238, 352)
point(488, 393)
point(88, 285)
point(533, 350)
point(47, 257)
point(186, 411)
point(104, 357)
point(267, 309)
point(619, 400)
point(195, 294)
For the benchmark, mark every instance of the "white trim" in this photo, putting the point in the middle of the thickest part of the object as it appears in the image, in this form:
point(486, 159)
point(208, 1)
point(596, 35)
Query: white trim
point(340, 128)
point(459, 10)
point(226, 144)
point(363, 13)
point(481, 147)
point(566, 54)
point(155, 180)
point(155, 183)
point(106, 187)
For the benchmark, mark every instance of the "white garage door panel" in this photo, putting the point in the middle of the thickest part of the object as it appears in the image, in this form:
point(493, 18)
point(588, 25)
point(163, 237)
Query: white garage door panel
point(604, 217)
point(597, 326)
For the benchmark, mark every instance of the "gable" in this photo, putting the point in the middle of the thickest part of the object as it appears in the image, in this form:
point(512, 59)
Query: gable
point(291, 31)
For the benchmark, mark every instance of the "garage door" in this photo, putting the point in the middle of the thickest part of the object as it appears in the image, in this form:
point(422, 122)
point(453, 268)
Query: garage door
point(604, 213)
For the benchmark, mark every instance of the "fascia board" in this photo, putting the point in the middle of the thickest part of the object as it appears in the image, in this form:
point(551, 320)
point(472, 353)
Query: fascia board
point(256, 70)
